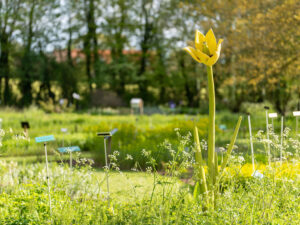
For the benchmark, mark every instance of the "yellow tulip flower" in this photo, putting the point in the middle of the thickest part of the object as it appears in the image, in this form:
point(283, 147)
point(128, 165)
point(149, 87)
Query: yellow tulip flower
point(207, 50)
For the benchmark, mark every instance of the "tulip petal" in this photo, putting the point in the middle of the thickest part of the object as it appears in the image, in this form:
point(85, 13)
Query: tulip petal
point(219, 43)
point(199, 39)
point(202, 56)
point(218, 51)
point(193, 53)
point(211, 41)
point(212, 60)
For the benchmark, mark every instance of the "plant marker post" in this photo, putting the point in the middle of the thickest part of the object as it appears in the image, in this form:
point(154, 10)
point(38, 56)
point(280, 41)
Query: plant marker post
point(267, 129)
point(296, 125)
point(64, 131)
point(281, 139)
point(69, 149)
point(45, 139)
point(25, 126)
point(296, 114)
point(76, 98)
point(107, 136)
point(71, 160)
point(272, 116)
point(251, 143)
point(137, 103)
point(150, 123)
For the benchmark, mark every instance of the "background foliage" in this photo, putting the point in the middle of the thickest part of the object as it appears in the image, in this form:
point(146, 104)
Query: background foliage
point(50, 49)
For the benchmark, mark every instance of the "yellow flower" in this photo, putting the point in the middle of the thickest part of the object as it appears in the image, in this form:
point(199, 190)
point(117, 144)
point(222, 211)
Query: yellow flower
point(206, 50)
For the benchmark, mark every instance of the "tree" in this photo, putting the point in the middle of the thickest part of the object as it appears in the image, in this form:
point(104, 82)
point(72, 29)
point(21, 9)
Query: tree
point(90, 40)
point(68, 71)
point(36, 34)
point(117, 29)
point(9, 11)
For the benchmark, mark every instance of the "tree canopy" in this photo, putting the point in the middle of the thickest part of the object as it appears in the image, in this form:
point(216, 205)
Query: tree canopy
point(51, 49)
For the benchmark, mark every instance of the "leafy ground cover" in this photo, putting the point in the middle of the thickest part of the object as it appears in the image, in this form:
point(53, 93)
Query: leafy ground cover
point(79, 196)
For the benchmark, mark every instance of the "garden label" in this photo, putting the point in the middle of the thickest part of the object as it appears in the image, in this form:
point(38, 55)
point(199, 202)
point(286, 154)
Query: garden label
point(69, 149)
point(296, 113)
point(44, 139)
point(64, 130)
point(272, 115)
point(25, 125)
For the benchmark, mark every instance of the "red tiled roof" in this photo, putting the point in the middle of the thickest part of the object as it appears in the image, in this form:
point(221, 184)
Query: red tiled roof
point(78, 54)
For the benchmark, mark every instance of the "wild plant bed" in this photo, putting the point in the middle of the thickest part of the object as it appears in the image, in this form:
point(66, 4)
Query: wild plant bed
point(79, 196)
point(159, 185)
point(135, 133)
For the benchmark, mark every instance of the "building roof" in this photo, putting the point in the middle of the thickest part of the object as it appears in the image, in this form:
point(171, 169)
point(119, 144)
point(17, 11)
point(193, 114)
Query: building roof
point(78, 54)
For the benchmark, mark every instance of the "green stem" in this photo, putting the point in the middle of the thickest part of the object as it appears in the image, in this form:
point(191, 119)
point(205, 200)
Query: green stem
point(211, 127)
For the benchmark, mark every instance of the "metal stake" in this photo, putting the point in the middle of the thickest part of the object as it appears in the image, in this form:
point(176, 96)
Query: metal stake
point(107, 150)
point(251, 144)
point(150, 123)
point(267, 127)
point(281, 141)
point(296, 125)
point(47, 174)
point(107, 172)
point(70, 159)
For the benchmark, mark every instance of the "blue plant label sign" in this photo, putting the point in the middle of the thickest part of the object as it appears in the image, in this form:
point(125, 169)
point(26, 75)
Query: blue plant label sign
point(69, 149)
point(44, 139)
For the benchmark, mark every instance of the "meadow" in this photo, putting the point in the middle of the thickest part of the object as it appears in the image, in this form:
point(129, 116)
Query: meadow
point(135, 133)
point(150, 175)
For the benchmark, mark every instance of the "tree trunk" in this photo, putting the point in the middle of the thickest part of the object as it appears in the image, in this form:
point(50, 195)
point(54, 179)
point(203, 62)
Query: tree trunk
point(145, 45)
point(4, 67)
point(188, 92)
point(25, 85)
point(161, 74)
point(87, 52)
point(91, 37)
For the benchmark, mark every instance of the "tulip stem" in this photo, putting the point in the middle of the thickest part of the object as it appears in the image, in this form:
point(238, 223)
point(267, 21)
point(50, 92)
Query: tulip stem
point(211, 126)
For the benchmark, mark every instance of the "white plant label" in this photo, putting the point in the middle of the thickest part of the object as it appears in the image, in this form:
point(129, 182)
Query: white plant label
point(76, 96)
point(272, 115)
point(136, 102)
point(64, 130)
point(296, 113)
